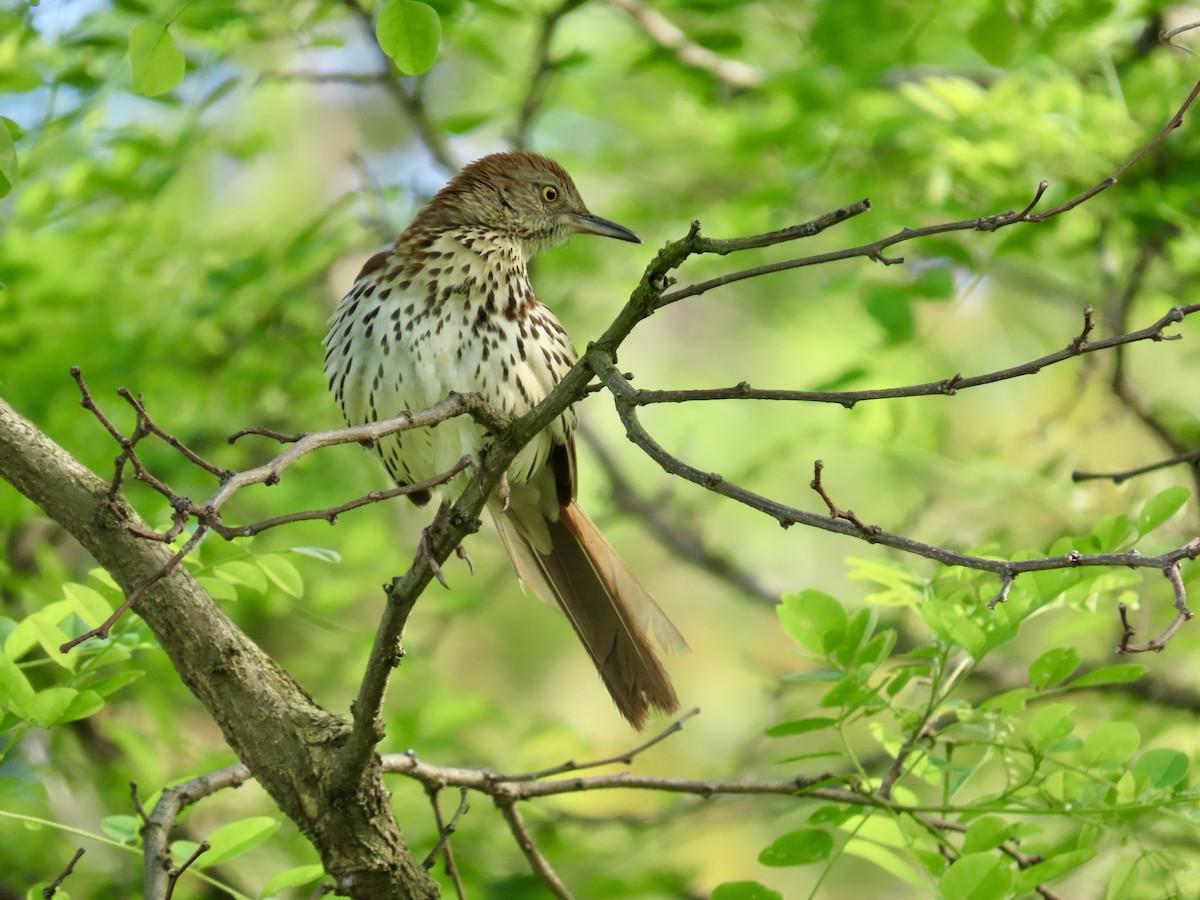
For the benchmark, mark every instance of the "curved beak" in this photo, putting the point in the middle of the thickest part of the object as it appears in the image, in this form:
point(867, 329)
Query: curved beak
point(589, 224)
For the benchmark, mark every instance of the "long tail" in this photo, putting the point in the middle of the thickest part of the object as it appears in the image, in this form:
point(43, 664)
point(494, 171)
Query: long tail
point(607, 606)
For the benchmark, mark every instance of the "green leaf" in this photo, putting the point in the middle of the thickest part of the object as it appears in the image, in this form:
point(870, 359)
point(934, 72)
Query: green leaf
point(47, 708)
point(16, 693)
point(51, 637)
point(1009, 702)
point(82, 705)
point(290, 878)
point(8, 161)
point(801, 726)
point(891, 309)
point(814, 620)
point(744, 890)
point(887, 859)
point(121, 828)
point(1162, 767)
point(409, 32)
point(1161, 507)
point(236, 838)
point(1114, 533)
point(798, 848)
point(1053, 666)
point(238, 572)
point(994, 34)
point(217, 588)
point(1052, 723)
point(859, 628)
point(87, 603)
point(1123, 882)
point(113, 683)
point(986, 833)
point(1054, 867)
point(156, 63)
point(1123, 673)
point(1112, 742)
point(282, 572)
point(977, 876)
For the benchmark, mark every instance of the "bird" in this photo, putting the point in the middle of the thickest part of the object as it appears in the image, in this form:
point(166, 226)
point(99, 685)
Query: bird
point(449, 308)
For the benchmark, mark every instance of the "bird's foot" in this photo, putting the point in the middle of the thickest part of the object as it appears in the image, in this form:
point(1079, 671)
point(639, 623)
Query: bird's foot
point(425, 544)
point(503, 490)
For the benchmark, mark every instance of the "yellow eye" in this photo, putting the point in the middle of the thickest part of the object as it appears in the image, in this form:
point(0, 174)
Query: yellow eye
point(549, 193)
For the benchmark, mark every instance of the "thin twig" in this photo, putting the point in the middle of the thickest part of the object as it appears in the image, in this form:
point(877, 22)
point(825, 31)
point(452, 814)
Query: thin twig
point(1191, 458)
point(788, 516)
point(1006, 584)
point(1182, 614)
point(102, 630)
point(1175, 32)
point(52, 888)
point(445, 830)
point(540, 74)
point(847, 514)
point(156, 833)
point(176, 871)
point(947, 387)
point(875, 249)
point(670, 37)
point(682, 538)
point(625, 758)
point(537, 860)
point(137, 802)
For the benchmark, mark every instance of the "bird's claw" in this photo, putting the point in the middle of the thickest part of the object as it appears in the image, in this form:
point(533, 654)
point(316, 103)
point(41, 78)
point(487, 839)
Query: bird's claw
point(425, 544)
point(425, 549)
point(505, 491)
point(461, 552)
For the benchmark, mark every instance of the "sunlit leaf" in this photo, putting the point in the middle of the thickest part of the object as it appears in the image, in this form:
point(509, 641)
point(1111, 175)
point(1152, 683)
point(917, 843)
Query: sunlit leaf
point(156, 63)
point(977, 876)
point(798, 848)
point(409, 32)
point(1161, 507)
point(744, 890)
point(1111, 742)
point(236, 838)
point(1053, 666)
point(816, 621)
point(8, 161)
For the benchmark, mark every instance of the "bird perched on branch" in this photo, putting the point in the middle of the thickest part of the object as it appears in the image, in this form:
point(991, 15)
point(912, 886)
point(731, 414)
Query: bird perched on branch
point(450, 308)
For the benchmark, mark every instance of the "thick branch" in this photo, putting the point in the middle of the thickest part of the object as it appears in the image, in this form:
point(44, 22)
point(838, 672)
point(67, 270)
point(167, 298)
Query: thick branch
point(156, 832)
point(282, 735)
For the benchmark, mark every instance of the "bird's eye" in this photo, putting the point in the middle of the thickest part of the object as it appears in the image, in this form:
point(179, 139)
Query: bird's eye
point(549, 193)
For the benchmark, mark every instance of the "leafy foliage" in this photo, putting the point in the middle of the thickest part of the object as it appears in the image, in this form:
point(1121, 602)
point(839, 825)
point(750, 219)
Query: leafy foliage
point(188, 190)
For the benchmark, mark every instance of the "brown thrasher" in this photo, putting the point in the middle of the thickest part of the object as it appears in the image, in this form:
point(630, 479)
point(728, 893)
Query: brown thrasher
point(450, 308)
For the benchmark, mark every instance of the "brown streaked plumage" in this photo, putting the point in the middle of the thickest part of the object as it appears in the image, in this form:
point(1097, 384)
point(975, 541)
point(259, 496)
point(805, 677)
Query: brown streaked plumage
point(450, 308)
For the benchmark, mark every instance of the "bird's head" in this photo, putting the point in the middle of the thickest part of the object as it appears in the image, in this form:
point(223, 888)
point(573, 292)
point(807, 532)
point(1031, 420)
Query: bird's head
point(526, 197)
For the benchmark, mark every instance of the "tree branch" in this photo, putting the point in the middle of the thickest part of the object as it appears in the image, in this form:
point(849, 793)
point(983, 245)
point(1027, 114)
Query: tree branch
point(267, 718)
point(670, 37)
point(156, 830)
point(540, 74)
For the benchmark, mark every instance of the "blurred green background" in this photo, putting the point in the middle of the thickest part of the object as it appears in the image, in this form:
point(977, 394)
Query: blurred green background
point(191, 246)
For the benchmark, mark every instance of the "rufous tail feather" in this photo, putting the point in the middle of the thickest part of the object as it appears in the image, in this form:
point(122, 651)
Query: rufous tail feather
point(608, 607)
